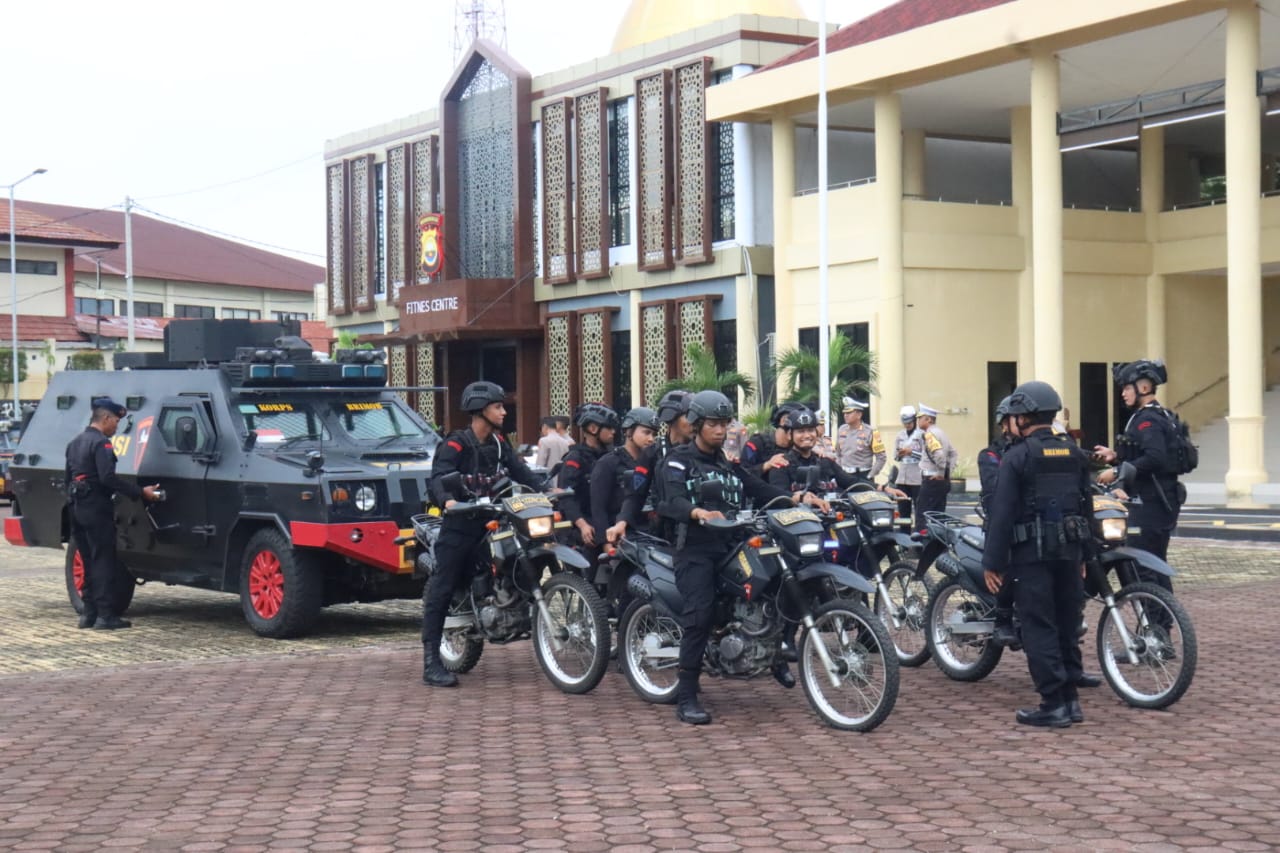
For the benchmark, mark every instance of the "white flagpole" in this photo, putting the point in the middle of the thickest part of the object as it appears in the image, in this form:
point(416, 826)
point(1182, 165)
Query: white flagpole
point(824, 343)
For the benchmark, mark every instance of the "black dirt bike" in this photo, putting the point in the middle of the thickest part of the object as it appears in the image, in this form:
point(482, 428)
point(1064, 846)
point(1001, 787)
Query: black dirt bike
point(1146, 643)
point(528, 585)
point(774, 577)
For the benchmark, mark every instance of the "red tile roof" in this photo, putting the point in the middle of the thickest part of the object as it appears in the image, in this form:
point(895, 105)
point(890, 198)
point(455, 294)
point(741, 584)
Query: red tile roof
point(37, 327)
point(890, 21)
point(144, 328)
point(165, 250)
point(30, 226)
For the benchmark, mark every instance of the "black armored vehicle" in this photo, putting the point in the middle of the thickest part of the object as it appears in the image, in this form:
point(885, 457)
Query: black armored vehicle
point(288, 479)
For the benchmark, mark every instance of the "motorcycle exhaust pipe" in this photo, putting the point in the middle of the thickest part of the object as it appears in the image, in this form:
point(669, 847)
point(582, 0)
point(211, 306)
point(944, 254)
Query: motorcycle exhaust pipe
point(639, 586)
point(948, 565)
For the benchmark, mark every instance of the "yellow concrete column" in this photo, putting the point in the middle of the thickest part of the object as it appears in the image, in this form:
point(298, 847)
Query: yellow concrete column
point(747, 300)
point(784, 191)
point(913, 162)
point(891, 322)
point(1046, 219)
point(1246, 467)
point(1151, 157)
point(1020, 151)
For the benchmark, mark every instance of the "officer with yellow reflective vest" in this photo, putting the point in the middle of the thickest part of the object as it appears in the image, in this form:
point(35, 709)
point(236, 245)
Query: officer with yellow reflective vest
point(935, 465)
point(1040, 516)
point(859, 448)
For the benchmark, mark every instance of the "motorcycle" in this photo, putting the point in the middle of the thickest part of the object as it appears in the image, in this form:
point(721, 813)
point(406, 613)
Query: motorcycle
point(775, 576)
point(862, 536)
point(530, 586)
point(1146, 643)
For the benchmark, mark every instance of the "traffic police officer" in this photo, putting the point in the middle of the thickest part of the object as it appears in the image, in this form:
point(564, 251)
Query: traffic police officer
point(935, 466)
point(1039, 516)
point(859, 449)
point(908, 447)
point(615, 474)
point(1147, 443)
point(482, 456)
point(599, 424)
point(91, 483)
point(681, 505)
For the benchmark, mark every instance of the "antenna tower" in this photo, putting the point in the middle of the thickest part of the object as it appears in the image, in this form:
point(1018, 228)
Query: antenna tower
point(474, 19)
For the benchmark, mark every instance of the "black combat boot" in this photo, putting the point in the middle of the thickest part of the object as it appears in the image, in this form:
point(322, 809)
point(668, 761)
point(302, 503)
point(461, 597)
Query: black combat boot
point(1002, 633)
point(433, 672)
point(688, 708)
point(88, 617)
point(111, 623)
point(782, 674)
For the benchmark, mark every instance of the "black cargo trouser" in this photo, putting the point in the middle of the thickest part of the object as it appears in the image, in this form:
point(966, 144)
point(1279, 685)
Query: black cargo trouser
point(94, 528)
point(907, 507)
point(456, 553)
point(1156, 524)
point(932, 498)
point(696, 582)
point(1049, 595)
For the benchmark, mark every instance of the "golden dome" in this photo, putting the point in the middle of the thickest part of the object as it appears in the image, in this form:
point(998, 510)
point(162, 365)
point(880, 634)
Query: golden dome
point(650, 20)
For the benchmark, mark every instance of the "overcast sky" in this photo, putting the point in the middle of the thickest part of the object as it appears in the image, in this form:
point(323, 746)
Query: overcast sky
point(216, 114)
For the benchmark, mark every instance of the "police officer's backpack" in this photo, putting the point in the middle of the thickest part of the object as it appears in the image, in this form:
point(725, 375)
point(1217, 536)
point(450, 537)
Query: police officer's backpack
point(1184, 455)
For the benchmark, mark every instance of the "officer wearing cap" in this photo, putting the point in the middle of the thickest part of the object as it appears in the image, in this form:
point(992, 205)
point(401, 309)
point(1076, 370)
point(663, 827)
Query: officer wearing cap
point(859, 449)
point(1040, 515)
point(908, 447)
point(91, 484)
point(1148, 444)
point(481, 456)
point(935, 465)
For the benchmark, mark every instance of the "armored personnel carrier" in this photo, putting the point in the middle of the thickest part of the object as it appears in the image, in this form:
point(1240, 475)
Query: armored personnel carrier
point(288, 479)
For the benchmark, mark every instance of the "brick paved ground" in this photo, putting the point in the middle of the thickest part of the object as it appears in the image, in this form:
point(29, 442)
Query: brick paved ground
point(226, 742)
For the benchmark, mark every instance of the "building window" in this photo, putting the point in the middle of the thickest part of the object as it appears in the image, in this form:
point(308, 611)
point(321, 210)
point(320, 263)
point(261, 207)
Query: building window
point(298, 316)
point(193, 312)
point(725, 345)
point(144, 309)
point(619, 174)
point(722, 188)
point(31, 267)
point(380, 229)
point(241, 314)
point(620, 349)
point(99, 307)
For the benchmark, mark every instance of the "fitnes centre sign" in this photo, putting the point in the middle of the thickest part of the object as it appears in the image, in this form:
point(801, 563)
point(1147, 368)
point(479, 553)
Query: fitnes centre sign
point(438, 305)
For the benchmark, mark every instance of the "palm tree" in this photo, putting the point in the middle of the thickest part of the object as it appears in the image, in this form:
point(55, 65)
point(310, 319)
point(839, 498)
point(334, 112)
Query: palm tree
point(853, 370)
point(704, 374)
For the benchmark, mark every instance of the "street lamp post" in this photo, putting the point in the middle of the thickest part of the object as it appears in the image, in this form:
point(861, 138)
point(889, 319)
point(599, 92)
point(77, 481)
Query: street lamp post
point(13, 286)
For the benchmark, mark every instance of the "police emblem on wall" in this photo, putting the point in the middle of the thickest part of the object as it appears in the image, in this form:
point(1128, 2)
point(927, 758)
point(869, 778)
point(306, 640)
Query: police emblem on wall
point(430, 244)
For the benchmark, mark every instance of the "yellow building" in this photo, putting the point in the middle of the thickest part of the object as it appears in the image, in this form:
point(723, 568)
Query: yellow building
point(1031, 189)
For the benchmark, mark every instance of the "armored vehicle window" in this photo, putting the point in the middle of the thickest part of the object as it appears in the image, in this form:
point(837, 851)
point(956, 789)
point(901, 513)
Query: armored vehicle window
point(278, 422)
point(182, 430)
point(375, 420)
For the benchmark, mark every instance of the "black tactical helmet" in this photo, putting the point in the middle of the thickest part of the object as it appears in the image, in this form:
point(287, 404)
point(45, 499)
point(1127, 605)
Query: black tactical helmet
point(477, 395)
point(1002, 410)
point(1034, 398)
point(596, 413)
point(1131, 372)
point(673, 404)
point(640, 416)
point(802, 418)
point(783, 410)
point(709, 404)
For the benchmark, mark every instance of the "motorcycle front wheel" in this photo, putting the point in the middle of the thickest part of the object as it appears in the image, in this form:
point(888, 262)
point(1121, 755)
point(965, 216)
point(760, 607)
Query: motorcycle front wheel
point(580, 629)
point(908, 603)
point(459, 650)
point(961, 656)
point(865, 667)
point(649, 652)
point(1161, 637)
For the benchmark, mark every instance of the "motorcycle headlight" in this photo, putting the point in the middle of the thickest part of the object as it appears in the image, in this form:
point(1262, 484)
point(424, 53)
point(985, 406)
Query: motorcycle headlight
point(1114, 529)
point(542, 525)
point(810, 544)
point(366, 499)
point(882, 519)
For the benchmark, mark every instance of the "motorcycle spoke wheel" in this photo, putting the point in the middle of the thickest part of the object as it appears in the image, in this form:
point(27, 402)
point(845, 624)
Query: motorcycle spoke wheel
point(909, 603)
point(581, 625)
point(962, 657)
point(1163, 640)
point(459, 650)
point(649, 648)
point(865, 661)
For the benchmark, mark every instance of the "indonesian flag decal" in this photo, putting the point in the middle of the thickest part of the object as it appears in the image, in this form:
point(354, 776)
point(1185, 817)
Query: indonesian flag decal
point(144, 438)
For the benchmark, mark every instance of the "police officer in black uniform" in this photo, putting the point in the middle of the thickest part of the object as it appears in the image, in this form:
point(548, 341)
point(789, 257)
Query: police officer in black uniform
point(762, 453)
point(673, 411)
point(681, 506)
point(1039, 516)
point(91, 483)
point(1147, 443)
point(989, 459)
point(615, 474)
point(599, 425)
point(482, 455)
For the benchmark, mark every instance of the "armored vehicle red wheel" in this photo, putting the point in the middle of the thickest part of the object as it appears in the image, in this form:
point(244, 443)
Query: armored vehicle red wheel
point(281, 590)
